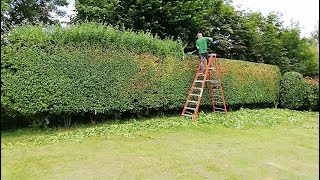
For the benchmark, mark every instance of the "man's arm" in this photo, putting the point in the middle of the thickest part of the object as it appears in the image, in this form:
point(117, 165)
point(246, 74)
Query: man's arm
point(209, 39)
point(197, 45)
point(194, 51)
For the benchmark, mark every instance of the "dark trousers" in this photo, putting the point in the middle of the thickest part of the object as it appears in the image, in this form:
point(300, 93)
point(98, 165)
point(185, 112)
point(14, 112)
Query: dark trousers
point(201, 59)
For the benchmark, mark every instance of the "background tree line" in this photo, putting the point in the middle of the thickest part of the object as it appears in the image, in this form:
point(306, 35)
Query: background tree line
point(243, 35)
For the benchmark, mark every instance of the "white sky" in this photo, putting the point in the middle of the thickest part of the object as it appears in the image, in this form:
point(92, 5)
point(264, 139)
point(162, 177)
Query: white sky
point(69, 10)
point(305, 12)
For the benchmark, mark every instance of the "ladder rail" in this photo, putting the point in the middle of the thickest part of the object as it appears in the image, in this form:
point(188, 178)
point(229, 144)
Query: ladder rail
point(202, 86)
point(211, 89)
point(220, 85)
point(190, 92)
point(212, 96)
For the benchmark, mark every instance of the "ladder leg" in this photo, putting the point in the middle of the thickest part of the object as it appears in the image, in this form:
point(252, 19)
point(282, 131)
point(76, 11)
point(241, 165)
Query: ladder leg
point(210, 89)
point(203, 85)
point(220, 86)
point(212, 96)
point(190, 92)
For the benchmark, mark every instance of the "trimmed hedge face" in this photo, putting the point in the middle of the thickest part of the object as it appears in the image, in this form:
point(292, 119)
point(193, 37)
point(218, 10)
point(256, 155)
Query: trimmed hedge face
point(293, 90)
point(69, 78)
point(74, 80)
point(249, 83)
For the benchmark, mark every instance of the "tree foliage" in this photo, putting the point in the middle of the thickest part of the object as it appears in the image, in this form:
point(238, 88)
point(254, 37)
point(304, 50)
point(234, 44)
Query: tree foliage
point(177, 19)
point(315, 34)
point(243, 35)
point(17, 12)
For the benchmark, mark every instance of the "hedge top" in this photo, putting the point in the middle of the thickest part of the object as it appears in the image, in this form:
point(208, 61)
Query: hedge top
point(96, 34)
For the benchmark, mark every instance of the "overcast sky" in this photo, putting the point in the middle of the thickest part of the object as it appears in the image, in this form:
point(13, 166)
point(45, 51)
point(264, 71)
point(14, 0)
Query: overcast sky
point(305, 12)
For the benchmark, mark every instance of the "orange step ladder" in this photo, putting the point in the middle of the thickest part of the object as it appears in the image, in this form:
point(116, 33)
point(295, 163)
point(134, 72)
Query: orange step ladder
point(212, 75)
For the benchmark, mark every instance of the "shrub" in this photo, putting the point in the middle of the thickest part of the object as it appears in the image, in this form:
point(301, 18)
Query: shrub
point(312, 98)
point(293, 90)
point(90, 70)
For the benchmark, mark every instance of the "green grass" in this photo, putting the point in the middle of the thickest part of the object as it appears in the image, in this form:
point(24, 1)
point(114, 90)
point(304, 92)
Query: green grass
point(249, 144)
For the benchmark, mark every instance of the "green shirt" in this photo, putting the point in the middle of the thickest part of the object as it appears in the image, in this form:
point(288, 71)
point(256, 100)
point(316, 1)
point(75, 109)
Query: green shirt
point(202, 44)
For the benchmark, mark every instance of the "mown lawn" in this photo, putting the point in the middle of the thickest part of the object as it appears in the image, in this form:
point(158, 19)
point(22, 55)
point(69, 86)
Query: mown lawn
point(250, 144)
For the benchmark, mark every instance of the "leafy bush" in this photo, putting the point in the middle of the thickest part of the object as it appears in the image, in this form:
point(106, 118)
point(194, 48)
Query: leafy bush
point(84, 71)
point(312, 99)
point(293, 90)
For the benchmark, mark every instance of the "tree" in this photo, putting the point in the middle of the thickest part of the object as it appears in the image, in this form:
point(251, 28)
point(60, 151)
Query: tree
point(16, 12)
point(168, 19)
point(315, 34)
point(4, 17)
point(302, 53)
point(243, 35)
point(312, 63)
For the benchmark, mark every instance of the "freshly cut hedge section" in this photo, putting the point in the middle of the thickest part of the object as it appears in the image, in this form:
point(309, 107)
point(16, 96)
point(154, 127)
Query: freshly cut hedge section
point(48, 73)
point(249, 83)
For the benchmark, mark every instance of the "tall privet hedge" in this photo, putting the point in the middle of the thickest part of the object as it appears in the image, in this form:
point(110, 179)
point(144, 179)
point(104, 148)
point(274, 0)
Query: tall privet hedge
point(95, 69)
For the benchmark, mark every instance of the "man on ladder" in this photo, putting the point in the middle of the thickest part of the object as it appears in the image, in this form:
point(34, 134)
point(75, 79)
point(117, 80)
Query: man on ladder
point(202, 48)
point(206, 74)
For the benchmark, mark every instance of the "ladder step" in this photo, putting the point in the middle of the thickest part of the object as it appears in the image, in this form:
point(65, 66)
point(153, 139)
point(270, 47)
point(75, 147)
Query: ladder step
point(197, 88)
point(190, 108)
point(219, 112)
point(219, 108)
point(187, 115)
point(193, 101)
point(199, 81)
point(195, 95)
point(213, 81)
point(211, 69)
point(218, 102)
